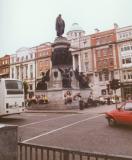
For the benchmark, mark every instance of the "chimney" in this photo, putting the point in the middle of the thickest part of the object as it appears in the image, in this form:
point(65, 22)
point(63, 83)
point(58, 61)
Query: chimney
point(115, 26)
point(96, 30)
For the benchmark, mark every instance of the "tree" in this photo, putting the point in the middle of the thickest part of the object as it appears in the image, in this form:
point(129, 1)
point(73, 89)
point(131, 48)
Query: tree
point(25, 85)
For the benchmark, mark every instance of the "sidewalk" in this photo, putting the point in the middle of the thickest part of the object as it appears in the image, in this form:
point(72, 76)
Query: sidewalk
point(96, 110)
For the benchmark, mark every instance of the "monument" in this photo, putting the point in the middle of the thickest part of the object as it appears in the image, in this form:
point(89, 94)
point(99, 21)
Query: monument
point(61, 78)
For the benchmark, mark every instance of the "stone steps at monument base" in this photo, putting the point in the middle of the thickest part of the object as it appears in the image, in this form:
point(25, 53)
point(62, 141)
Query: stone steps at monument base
point(54, 106)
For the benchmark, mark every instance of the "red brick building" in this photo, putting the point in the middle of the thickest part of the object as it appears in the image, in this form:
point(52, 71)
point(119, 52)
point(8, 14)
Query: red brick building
point(43, 59)
point(105, 59)
point(5, 66)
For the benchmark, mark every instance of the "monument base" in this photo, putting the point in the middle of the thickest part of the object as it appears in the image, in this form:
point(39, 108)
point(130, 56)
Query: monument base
point(57, 99)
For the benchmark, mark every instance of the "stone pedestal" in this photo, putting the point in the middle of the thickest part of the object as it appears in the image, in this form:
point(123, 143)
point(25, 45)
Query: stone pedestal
point(8, 142)
point(61, 74)
point(57, 100)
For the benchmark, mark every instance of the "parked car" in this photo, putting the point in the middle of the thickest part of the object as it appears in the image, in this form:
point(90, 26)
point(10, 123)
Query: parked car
point(121, 115)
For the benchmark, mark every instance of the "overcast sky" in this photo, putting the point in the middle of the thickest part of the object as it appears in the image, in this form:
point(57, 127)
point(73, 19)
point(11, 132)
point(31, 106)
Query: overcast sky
point(26, 23)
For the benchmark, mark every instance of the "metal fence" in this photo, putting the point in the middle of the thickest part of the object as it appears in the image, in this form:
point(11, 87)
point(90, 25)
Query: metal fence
point(38, 152)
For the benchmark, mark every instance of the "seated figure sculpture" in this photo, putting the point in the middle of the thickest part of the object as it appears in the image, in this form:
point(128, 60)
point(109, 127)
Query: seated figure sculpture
point(42, 85)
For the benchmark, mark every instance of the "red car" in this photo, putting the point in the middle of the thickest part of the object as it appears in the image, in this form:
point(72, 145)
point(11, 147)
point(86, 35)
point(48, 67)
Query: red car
point(121, 115)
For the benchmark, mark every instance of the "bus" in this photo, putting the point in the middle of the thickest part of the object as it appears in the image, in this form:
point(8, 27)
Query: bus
point(11, 96)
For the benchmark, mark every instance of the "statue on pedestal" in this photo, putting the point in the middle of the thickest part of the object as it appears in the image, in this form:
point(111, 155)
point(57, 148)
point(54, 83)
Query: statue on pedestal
point(60, 26)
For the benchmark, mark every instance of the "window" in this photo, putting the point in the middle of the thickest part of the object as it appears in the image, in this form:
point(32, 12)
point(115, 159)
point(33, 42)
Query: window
point(12, 59)
point(106, 76)
point(86, 66)
point(13, 84)
point(123, 61)
point(112, 75)
point(124, 76)
point(128, 47)
point(40, 65)
point(26, 57)
point(30, 87)
point(12, 72)
point(86, 55)
point(22, 58)
point(128, 60)
point(17, 71)
point(100, 76)
point(104, 51)
point(31, 55)
point(129, 77)
point(98, 53)
point(105, 63)
point(111, 62)
point(21, 72)
point(17, 60)
point(122, 49)
point(99, 63)
point(31, 71)
point(26, 67)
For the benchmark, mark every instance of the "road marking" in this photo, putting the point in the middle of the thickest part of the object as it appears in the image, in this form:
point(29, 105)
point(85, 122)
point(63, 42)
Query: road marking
point(25, 125)
point(55, 130)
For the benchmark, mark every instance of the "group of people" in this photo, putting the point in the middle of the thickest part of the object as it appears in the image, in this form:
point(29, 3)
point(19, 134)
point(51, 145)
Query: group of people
point(43, 99)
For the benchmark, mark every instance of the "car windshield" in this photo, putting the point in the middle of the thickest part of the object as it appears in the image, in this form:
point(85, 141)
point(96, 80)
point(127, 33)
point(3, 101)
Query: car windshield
point(128, 106)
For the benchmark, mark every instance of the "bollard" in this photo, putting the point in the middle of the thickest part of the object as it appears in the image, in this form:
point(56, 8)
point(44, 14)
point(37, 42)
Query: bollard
point(8, 142)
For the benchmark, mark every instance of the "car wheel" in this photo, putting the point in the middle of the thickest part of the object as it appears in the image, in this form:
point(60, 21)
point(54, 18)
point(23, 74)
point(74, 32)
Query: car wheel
point(111, 122)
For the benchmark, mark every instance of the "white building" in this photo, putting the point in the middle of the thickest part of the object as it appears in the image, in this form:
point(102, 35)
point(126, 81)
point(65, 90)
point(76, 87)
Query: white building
point(124, 41)
point(81, 51)
point(22, 66)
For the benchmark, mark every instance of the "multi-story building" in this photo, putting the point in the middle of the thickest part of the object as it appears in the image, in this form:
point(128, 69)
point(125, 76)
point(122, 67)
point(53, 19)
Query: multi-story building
point(5, 66)
point(22, 66)
point(43, 59)
point(105, 61)
point(124, 43)
point(81, 51)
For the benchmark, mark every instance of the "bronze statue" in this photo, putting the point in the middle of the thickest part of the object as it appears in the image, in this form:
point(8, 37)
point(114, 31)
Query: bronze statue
point(83, 79)
point(42, 85)
point(60, 26)
point(66, 77)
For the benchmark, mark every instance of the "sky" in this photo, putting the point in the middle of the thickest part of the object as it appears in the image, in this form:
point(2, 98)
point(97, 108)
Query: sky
point(28, 23)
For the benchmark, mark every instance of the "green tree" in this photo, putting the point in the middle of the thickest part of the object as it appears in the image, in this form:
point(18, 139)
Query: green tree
point(25, 85)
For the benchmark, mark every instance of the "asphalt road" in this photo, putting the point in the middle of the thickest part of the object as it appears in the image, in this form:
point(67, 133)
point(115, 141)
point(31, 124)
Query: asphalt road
point(86, 132)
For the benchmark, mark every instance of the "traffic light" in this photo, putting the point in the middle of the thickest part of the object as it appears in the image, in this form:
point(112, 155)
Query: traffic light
point(115, 84)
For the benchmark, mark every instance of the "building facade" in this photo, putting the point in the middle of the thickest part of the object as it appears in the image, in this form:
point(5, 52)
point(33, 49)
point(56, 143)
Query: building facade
point(22, 66)
point(105, 61)
point(43, 59)
point(5, 66)
point(81, 50)
point(124, 42)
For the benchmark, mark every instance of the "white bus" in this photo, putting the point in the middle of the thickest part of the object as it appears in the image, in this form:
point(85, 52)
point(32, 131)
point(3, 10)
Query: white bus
point(11, 96)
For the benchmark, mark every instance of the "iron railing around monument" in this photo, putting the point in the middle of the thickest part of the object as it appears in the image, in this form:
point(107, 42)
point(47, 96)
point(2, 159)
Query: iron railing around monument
point(39, 152)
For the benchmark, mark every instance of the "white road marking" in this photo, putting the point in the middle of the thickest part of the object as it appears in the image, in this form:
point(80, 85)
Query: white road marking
point(25, 125)
point(55, 130)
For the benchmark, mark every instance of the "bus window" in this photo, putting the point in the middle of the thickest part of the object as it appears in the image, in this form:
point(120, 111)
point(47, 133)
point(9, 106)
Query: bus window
point(13, 84)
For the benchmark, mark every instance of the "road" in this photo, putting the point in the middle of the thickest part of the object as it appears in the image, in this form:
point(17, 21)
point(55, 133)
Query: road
point(87, 131)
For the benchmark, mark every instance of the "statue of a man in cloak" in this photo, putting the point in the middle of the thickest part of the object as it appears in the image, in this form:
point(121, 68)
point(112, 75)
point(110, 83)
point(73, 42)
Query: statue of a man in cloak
point(60, 26)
